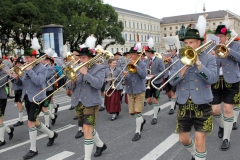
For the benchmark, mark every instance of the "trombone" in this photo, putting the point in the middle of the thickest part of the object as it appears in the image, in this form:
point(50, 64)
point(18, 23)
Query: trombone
point(188, 56)
point(222, 50)
point(132, 67)
point(113, 86)
point(19, 71)
point(70, 72)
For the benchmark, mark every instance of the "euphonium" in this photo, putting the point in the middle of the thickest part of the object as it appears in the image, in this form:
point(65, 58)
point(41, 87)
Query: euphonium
point(222, 50)
point(148, 83)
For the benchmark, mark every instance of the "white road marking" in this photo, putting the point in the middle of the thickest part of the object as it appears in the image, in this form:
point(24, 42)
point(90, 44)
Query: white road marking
point(162, 148)
point(12, 121)
point(165, 105)
point(61, 156)
point(38, 137)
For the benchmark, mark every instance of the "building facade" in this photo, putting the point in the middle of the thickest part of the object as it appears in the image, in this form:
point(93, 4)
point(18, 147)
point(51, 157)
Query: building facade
point(137, 27)
point(169, 25)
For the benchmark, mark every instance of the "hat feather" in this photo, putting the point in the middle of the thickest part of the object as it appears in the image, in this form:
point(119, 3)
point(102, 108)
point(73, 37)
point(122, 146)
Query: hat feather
point(201, 25)
point(35, 44)
point(150, 42)
point(226, 22)
point(139, 46)
point(90, 42)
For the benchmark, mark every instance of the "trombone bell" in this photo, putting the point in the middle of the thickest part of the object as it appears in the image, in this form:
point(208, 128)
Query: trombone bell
point(221, 51)
point(188, 55)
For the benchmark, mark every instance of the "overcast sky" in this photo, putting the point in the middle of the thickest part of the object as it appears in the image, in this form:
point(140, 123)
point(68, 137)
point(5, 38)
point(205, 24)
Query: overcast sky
point(168, 8)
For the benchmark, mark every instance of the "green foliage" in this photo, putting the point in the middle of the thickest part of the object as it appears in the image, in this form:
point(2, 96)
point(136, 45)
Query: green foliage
point(22, 20)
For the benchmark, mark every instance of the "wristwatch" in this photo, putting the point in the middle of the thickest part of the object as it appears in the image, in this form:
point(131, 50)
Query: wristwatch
point(198, 63)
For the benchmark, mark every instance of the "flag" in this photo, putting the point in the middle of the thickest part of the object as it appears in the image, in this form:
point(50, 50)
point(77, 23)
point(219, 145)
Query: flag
point(137, 37)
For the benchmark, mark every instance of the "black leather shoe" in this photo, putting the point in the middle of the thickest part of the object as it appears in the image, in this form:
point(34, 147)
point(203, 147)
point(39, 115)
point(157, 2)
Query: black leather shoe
point(193, 158)
point(234, 126)
point(101, 108)
point(225, 145)
point(171, 111)
point(72, 108)
point(136, 137)
point(56, 109)
point(117, 113)
point(75, 118)
point(144, 121)
point(2, 143)
point(220, 132)
point(51, 140)
point(79, 134)
point(18, 124)
point(30, 154)
point(99, 150)
point(54, 120)
point(154, 121)
point(11, 133)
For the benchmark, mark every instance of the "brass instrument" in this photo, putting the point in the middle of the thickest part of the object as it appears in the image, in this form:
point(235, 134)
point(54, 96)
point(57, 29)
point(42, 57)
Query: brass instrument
point(188, 56)
point(165, 60)
point(132, 67)
point(148, 83)
point(70, 72)
point(112, 86)
point(158, 55)
point(19, 71)
point(70, 58)
point(222, 50)
point(2, 66)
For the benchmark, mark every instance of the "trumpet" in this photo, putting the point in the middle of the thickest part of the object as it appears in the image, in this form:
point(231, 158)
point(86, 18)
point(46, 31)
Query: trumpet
point(222, 50)
point(19, 71)
point(188, 56)
point(132, 67)
point(148, 83)
point(70, 72)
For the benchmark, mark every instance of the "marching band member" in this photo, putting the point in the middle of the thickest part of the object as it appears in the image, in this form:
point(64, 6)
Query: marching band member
point(18, 95)
point(226, 88)
point(33, 81)
point(156, 66)
point(113, 105)
point(135, 89)
point(172, 45)
point(3, 104)
point(90, 81)
point(194, 94)
point(75, 94)
point(50, 73)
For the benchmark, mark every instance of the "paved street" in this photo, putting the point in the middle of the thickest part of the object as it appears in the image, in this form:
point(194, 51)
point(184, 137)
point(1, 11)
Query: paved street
point(158, 142)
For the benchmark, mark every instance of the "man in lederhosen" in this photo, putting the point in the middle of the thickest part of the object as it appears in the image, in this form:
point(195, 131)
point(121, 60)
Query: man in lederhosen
point(226, 88)
point(33, 81)
point(156, 66)
point(194, 95)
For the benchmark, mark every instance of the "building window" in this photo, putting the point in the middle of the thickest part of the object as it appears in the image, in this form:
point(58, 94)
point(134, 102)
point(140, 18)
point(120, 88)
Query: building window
point(122, 49)
point(145, 26)
point(155, 39)
point(117, 49)
point(112, 50)
point(133, 24)
point(148, 27)
point(125, 36)
point(170, 34)
point(129, 24)
point(158, 39)
point(126, 49)
point(154, 28)
point(157, 28)
point(176, 27)
point(214, 23)
point(137, 26)
point(158, 50)
point(170, 28)
point(125, 23)
point(134, 37)
point(130, 37)
point(151, 27)
point(165, 35)
point(207, 24)
point(165, 29)
point(141, 37)
point(141, 25)
point(145, 38)
point(220, 22)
